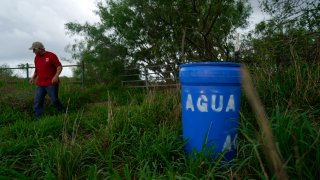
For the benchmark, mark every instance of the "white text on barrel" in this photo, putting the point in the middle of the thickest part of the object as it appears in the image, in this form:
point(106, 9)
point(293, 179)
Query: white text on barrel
point(202, 103)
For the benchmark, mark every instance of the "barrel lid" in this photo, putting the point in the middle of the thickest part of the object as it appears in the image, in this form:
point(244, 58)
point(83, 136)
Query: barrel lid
point(229, 64)
point(201, 73)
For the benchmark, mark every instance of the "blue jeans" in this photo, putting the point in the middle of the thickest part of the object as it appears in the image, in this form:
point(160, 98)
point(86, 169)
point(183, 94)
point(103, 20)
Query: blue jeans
point(41, 92)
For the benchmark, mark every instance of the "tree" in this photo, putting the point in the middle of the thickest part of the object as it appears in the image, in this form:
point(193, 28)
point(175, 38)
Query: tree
point(140, 33)
point(290, 35)
point(294, 13)
point(104, 60)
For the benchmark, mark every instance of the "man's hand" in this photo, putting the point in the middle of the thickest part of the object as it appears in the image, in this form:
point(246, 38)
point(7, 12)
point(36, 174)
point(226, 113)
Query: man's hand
point(55, 80)
point(31, 81)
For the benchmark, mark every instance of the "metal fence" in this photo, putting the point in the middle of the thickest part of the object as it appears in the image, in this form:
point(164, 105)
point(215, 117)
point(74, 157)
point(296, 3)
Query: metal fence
point(143, 77)
point(151, 76)
point(27, 67)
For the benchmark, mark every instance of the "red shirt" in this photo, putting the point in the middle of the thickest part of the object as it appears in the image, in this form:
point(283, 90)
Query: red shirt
point(46, 67)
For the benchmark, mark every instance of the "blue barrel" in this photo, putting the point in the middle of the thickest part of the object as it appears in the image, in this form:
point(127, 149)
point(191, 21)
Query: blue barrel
point(211, 93)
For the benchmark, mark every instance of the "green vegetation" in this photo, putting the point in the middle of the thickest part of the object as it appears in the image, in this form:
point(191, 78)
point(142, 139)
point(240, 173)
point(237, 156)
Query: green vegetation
point(135, 33)
point(110, 132)
point(130, 134)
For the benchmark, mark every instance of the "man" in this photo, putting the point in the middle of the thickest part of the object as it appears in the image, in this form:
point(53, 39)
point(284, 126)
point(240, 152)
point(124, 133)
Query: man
point(46, 75)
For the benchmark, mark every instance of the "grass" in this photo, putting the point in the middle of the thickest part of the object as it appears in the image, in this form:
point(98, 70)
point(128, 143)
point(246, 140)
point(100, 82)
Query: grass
point(115, 133)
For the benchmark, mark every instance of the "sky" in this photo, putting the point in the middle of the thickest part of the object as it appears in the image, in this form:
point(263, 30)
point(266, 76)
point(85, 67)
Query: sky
point(25, 21)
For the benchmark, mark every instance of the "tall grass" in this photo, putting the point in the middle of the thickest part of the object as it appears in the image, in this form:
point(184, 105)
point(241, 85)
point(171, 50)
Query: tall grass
point(120, 133)
point(291, 99)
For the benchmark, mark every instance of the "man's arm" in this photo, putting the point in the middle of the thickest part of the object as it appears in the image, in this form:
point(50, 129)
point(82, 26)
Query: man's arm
point(33, 78)
point(55, 78)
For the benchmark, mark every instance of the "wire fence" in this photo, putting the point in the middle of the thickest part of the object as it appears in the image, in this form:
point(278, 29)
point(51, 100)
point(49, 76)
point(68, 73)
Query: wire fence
point(141, 77)
point(25, 71)
point(151, 76)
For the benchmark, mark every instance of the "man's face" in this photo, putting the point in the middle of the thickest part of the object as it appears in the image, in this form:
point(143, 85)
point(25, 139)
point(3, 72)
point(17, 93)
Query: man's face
point(37, 51)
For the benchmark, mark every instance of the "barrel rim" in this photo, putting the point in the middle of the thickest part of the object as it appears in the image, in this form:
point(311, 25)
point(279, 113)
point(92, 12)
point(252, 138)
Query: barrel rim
point(228, 64)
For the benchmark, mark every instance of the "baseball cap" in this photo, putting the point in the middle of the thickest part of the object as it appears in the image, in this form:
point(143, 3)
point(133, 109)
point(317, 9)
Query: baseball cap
point(36, 45)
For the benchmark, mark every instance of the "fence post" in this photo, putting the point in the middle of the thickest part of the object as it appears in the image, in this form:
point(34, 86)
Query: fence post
point(82, 75)
point(146, 77)
point(27, 67)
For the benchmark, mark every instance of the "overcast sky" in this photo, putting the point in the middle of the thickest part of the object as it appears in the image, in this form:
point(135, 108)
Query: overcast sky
point(25, 21)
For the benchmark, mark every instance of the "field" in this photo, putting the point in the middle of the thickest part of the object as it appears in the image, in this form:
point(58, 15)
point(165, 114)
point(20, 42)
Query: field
point(116, 133)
